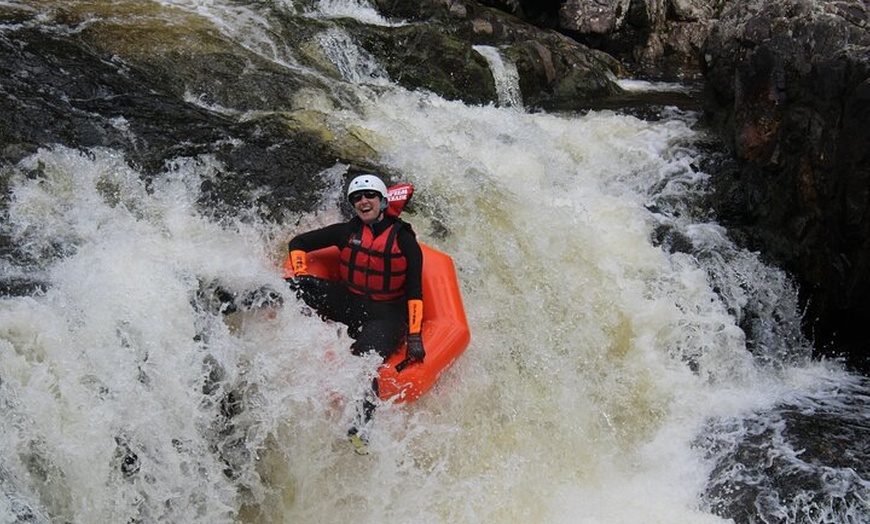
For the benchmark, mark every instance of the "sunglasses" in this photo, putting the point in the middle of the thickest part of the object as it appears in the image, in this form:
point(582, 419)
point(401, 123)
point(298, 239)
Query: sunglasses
point(356, 197)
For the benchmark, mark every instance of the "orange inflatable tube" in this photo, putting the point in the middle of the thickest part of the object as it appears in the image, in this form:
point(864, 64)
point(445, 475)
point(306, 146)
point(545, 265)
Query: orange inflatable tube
point(445, 327)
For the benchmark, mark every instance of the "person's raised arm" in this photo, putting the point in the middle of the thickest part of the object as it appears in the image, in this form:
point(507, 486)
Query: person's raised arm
point(304, 243)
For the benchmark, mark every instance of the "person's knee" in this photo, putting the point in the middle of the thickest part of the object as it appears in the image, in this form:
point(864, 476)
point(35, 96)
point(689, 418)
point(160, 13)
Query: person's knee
point(311, 290)
point(385, 335)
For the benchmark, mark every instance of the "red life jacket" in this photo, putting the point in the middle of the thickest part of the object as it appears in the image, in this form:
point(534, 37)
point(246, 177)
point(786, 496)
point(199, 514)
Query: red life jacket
point(374, 266)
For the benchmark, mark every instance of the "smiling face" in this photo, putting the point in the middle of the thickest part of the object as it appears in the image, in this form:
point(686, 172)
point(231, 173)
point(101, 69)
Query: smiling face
point(367, 205)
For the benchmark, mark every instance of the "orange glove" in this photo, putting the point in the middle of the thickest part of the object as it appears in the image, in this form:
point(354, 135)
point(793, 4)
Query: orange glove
point(299, 262)
point(414, 342)
point(415, 316)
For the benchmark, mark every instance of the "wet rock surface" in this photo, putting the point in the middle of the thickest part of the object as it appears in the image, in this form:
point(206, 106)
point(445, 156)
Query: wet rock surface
point(789, 89)
point(63, 92)
point(811, 451)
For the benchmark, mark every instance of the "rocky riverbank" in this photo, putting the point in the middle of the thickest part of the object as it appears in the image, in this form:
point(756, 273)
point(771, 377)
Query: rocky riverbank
point(789, 90)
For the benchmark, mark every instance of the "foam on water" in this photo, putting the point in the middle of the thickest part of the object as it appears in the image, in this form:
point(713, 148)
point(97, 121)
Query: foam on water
point(360, 10)
point(597, 357)
point(575, 383)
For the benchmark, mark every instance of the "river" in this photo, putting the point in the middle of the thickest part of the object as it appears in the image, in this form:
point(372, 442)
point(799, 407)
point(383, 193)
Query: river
point(628, 364)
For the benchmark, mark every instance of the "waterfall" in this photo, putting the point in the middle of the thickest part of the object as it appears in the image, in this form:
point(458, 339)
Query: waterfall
point(357, 9)
point(354, 64)
point(629, 362)
point(506, 77)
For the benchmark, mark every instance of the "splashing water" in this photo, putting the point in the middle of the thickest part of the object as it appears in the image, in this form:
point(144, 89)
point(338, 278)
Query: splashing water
point(359, 10)
point(354, 64)
point(609, 372)
point(506, 76)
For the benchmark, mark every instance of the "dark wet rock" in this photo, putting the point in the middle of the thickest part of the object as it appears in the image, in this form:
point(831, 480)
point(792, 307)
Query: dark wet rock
point(588, 17)
point(423, 56)
point(556, 72)
point(812, 451)
point(514, 7)
point(68, 90)
point(651, 38)
point(789, 89)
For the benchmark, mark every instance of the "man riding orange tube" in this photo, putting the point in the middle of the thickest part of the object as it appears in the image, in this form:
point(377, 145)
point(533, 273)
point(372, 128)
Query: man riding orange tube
point(379, 295)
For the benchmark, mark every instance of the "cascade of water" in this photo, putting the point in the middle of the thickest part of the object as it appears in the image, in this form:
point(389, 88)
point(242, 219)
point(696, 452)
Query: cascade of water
point(619, 338)
point(354, 64)
point(244, 25)
point(504, 72)
point(359, 10)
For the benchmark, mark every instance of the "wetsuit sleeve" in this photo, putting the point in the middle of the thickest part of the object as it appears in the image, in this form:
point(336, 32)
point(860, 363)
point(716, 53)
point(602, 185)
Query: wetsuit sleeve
point(414, 257)
point(333, 235)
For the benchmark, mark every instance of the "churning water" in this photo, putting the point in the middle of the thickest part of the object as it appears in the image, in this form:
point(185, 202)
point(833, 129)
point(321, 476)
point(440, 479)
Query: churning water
point(628, 364)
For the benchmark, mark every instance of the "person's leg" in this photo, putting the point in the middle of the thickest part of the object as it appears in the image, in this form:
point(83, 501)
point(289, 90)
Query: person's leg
point(378, 327)
point(381, 336)
point(383, 333)
point(382, 329)
point(330, 300)
point(359, 432)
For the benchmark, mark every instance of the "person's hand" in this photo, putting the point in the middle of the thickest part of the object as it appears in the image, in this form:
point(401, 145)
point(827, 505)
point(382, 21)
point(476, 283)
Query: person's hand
point(414, 349)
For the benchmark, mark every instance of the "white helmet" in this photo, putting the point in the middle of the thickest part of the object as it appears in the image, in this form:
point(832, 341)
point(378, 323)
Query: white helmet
point(369, 182)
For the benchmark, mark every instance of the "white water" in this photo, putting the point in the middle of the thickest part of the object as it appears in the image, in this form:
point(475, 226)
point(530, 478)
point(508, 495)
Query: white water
point(354, 64)
point(575, 402)
point(505, 75)
point(630, 84)
point(357, 9)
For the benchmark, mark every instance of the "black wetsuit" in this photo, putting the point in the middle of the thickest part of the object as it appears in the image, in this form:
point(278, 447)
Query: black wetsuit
point(376, 325)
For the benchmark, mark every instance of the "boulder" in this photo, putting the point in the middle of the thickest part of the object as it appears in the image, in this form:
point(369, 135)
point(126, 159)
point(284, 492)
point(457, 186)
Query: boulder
point(131, 84)
point(556, 72)
point(788, 86)
point(593, 17)
point(650, 38)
